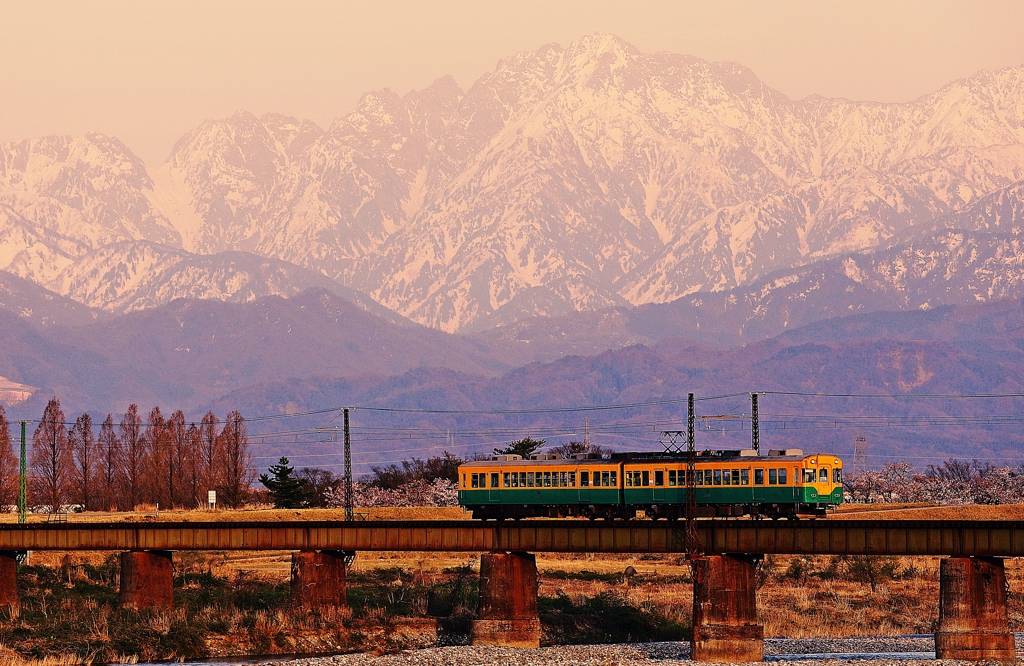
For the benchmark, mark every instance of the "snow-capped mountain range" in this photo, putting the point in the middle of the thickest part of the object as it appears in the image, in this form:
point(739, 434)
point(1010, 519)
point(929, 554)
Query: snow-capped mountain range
point(567, 179)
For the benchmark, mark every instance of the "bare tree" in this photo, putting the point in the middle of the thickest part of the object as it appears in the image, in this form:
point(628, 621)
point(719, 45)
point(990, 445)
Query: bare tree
point(51, 458)
point(211, 454)
point(133, 459)
point(83, 447)
point(177, 458)
point(239, 471)
point(109, 465)
point(9, 468)
point(573, 448)
point(157, 457)
point(193, 477)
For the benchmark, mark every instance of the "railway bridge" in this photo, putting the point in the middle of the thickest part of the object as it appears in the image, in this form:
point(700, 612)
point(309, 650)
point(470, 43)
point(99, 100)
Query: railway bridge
point(973, 621)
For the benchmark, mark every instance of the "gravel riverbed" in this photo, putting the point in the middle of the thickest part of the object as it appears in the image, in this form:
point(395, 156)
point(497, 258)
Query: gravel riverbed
point(654, 654)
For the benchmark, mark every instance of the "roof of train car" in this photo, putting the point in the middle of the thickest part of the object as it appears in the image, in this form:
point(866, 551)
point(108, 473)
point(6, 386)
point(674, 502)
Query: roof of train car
point(649, 458)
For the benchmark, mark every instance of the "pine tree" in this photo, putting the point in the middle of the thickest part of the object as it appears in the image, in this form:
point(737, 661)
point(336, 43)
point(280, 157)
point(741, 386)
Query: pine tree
point(524, 447)
point(288, 492)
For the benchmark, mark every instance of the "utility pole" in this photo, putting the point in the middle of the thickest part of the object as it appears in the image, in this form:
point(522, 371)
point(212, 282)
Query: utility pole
point(755, 427)
point(349, 513)
point(693, 545)
point(22, 480)
point(860, 455)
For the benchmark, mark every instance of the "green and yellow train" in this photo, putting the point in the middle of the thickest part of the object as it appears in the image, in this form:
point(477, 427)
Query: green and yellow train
point(783, 484)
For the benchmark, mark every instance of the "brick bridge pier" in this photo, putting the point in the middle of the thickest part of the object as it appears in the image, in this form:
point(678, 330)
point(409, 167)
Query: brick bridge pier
point(973, 620)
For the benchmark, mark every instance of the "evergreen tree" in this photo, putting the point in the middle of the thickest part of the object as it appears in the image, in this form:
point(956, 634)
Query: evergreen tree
point(524, 447)
point(288, 492)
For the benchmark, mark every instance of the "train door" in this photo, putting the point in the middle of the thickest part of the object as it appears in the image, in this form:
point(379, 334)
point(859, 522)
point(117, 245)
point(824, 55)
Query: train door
point(493, 489)
point(758, 484)
point(584, 487)
point(824, 482)
point(657, 480)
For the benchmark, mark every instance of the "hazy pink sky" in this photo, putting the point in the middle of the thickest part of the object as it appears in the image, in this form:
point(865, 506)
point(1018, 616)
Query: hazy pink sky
point(148, 72)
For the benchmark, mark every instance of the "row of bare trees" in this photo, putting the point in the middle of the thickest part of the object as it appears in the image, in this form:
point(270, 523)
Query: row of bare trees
point(160, 460)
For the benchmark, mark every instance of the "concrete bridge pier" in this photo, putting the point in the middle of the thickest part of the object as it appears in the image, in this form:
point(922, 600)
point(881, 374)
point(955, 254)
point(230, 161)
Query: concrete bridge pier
point(9, 582)
point(318, 578)
point(147, 579)
point(973, 620)
point(725, 627)
point(508, 601)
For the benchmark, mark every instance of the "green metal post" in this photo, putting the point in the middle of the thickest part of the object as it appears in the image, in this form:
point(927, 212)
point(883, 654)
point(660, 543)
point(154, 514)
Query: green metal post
point(22, 485)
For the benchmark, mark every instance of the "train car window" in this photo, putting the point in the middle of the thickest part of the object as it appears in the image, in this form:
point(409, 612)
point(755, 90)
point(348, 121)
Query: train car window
point(613, 477)
point(659, 478)
point(475, 480)
point(494, 480)
point(745, 477)
point(773, 477)
point(736, 477)
point(717, 477)
point(671, 477)
point(515, 480)
point(529, 479)
point(628, 478)
point(572, 479)
point(646, 479)
point(707, 477)
point(605, 477)
point(522, 479)
point(505, 483)
point(808, 476)
point(699, 479)
point(563, 479)
point(782, 476)
point(823, 475)
point(758, 477)
point(584, 479)
point(837, 476)
point(726, 478)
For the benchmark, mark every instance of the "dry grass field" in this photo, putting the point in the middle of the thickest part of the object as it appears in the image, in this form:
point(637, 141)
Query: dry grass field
point(150, 513)
point(929, 512)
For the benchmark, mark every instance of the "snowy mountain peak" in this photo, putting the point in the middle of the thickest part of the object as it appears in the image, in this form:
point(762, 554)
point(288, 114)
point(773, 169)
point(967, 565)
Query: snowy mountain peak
point(566, 179)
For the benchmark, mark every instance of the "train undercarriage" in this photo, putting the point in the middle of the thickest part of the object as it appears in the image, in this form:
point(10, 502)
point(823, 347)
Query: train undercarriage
point(654, 512)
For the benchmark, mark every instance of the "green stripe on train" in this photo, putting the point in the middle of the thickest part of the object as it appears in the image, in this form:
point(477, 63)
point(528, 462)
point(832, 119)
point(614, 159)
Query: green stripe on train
point(648, 496)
